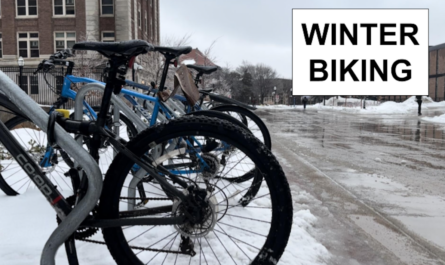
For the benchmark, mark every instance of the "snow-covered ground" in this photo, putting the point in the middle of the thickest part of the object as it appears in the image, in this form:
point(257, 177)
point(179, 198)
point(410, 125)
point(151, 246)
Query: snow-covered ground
point(409, 106)
point(437, 119)
point(27, 220)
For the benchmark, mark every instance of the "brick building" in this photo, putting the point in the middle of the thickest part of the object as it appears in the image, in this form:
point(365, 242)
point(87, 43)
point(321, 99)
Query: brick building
point(35, 29)
point(436, 87)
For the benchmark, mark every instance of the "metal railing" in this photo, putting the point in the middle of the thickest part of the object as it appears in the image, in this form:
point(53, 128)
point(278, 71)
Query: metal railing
point(45, 92)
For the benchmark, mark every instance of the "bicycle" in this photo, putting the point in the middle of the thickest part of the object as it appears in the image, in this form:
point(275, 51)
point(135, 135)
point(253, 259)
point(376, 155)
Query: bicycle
point(55, 162)
point(194, 213)
point(231, 107)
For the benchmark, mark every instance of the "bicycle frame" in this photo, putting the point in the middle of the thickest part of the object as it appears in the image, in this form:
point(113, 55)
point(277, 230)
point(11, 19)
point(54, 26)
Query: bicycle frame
point(67, 92)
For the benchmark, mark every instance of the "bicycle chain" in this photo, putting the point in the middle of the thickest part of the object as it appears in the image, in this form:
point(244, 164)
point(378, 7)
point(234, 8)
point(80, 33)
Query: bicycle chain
point(147, 198)
point(141, 248)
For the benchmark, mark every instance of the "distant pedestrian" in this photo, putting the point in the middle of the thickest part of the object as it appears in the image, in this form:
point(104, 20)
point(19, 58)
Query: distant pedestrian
point(304, 102)
point(419, 102)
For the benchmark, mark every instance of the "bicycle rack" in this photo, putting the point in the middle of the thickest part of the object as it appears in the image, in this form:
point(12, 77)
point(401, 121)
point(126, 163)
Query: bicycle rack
point(64, 140)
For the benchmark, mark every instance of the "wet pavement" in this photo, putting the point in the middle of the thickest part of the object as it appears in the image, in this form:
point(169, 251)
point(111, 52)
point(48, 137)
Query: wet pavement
point(375, 182)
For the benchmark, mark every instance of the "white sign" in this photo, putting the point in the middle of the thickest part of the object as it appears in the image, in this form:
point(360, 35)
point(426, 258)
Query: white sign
point(360, 52)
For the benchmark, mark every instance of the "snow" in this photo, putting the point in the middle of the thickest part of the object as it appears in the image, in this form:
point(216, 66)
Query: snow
point(303, 248)
point(409, 106)
point(28, 220)
point(189, 61)
point(437, 119)
point(354, 105)
point(278, 106)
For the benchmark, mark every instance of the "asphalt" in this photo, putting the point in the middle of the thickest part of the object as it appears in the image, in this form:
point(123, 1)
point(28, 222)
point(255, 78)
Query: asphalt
point(375, 182)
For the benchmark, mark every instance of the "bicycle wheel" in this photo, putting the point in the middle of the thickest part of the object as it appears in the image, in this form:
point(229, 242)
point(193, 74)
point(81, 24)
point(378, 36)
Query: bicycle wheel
point(252, 121)
point(229, 231)
point(13, 180)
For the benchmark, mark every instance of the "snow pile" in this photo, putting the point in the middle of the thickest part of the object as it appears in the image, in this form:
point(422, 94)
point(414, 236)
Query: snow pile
point(438, 119)
point(189, 61)
point(278, 106)
point(390, 107)
point(302, 248)
point(408, 105)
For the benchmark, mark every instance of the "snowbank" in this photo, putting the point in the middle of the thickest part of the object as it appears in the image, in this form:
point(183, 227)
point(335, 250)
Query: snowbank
point(278, 106)
point(437, 119)
point(302, 248)
point(409, 106)
point(354, 105)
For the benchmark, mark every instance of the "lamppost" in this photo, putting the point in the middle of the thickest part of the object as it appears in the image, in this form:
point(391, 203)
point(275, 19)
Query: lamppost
point(275, 95)
point(290, 97)
point(21, 63)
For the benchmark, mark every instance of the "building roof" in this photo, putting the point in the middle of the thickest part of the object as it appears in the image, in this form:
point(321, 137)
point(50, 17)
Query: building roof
point(195, 57)
point(437, 47)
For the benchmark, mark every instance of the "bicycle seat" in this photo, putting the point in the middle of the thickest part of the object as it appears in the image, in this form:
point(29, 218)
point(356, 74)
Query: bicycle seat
point(203, 69)
point(206, 91)
point(108, 49)
point(174, 50)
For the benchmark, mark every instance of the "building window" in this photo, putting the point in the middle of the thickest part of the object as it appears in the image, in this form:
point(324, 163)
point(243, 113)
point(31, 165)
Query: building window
point(64, 40)
point(108, 36)
point(63, 7)
point(107, 7)
point(28, 45)
point(139, 16)
point(1, 46)
point(26, 7)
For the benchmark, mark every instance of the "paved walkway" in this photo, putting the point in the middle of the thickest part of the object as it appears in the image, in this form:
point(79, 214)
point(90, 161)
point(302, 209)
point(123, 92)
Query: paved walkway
point(375, 182)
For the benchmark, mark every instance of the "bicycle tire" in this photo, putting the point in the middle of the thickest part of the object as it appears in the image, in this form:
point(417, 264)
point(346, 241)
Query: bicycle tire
point(9, 185)
point(280, 213)
point(15, 184)
point(265, 134)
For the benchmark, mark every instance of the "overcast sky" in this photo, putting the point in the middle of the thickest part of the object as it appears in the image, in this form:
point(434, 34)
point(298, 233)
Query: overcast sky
point(259, 31)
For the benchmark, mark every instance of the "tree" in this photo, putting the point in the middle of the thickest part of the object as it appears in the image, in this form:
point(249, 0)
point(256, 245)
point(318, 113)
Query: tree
point(88, 63)
point(153, 62)
point(263, 78)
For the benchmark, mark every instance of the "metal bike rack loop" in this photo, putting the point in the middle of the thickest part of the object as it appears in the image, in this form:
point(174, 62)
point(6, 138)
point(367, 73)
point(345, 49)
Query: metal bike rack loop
point(65, 141)
point(117, 102)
